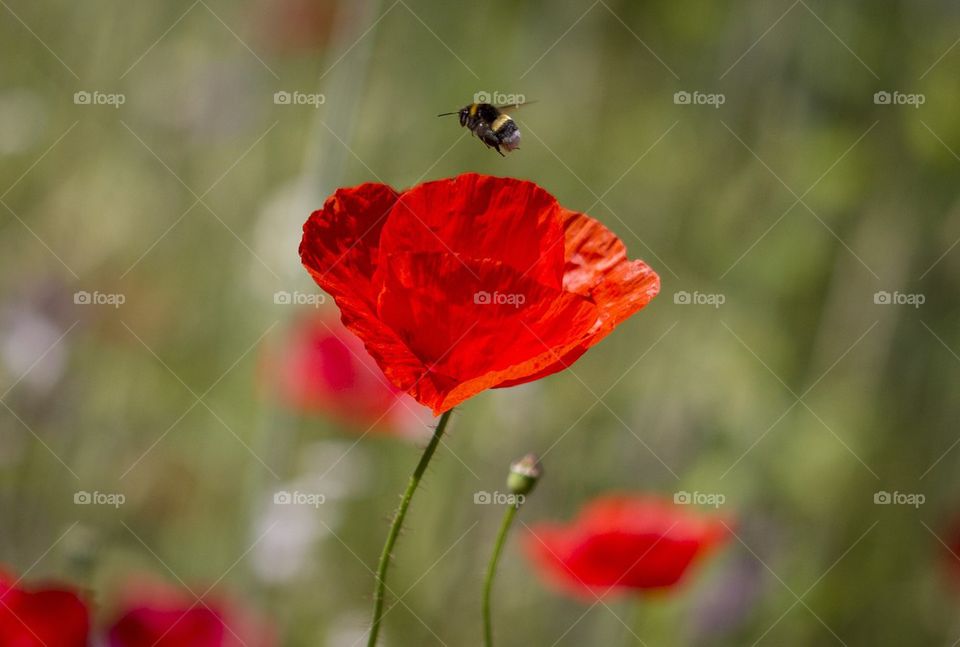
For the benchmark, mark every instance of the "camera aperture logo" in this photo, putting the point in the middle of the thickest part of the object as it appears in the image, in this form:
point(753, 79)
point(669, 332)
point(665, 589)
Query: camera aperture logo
point(484, 298)
point(296, 298)
point(697, 98)
point(914, 499)
point(114, 499)
point(895, 298)
point(96, 298)
point(97, 98)
point(285, 497)
point(297, 98)
point(897, 98)
point(497, 498)
point(498, 98)
point(684, 298)
point(714, 499)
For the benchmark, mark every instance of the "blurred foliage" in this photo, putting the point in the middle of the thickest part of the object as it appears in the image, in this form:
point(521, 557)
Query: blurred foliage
point(798, 398)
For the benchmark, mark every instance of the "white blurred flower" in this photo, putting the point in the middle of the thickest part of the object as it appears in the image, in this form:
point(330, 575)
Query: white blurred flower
point(276, 236)
point(305, 509)
point(30, 350)
point(286, 551)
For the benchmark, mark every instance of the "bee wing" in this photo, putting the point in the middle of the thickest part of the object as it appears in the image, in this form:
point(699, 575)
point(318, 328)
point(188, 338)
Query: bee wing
point(513, 106)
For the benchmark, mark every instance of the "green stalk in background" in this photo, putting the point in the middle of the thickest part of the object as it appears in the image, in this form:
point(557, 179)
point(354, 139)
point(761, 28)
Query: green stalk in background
point(523, 477)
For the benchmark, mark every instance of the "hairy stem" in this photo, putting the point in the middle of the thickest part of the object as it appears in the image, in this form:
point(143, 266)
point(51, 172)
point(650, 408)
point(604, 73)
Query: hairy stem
point(380, 592)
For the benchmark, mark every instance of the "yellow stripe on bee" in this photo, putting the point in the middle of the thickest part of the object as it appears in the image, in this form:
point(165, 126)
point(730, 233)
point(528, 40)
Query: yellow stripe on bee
point(473, 109)
point(499, 122)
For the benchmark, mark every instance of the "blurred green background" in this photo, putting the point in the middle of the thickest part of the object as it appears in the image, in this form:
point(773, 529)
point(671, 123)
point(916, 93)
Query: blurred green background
point(800, 203)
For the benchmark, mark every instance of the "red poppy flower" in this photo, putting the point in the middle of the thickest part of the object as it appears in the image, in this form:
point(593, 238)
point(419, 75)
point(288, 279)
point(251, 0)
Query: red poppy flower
point(155, 615)
point(623, 544)
point(41, 616)
point(321, 367)
point(470, 283)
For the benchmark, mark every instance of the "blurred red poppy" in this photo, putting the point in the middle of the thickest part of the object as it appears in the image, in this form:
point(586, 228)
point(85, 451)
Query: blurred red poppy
point(41, 616)
point(470, 283)
point(321, 367)
point(156, 615)
point(623, 544)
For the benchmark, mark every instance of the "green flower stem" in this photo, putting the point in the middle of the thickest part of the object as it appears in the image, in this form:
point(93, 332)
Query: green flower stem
point(508, 516)
point(380, 592)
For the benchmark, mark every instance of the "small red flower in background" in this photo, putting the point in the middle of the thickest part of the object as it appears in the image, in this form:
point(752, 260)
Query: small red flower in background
point(156, 615)
point(321, 367)
point(622, 544)
point(470, 283)
point(41, 616)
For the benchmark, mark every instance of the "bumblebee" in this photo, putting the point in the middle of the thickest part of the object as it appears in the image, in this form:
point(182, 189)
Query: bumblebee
point(491, 124)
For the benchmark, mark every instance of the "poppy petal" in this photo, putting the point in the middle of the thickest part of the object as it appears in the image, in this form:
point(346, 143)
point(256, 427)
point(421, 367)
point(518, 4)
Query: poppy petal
point(153, 614)
point(482, 217)
point(452, 313)
point(597, 266)
point(57, 617)
point(341, 241)
point(41, 616)
point(340, 249)
point(623, 543)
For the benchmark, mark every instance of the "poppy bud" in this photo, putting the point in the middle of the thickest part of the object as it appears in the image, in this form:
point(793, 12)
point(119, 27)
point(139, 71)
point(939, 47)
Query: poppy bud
point(524, 474)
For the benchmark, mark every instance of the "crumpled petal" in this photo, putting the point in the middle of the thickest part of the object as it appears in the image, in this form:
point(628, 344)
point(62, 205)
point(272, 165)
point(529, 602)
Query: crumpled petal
point(597, 267)
point(341, 248)
point(341, 241)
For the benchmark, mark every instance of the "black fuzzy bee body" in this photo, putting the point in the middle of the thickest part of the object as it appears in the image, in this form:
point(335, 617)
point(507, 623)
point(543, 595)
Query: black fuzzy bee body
point(490, 124)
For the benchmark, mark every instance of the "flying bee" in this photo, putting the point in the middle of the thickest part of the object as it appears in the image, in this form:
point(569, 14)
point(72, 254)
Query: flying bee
point(491, 124)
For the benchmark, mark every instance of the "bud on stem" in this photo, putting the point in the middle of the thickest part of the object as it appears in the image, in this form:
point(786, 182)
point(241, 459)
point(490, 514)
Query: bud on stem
point(524, 474)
